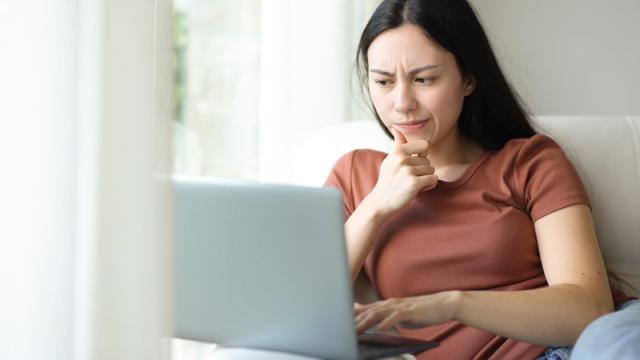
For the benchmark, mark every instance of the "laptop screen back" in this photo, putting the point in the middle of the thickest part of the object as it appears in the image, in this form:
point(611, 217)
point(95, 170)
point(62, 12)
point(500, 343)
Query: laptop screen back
point(263, 266)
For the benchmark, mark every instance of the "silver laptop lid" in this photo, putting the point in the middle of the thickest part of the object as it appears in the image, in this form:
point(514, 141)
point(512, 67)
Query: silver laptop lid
point(263, 266)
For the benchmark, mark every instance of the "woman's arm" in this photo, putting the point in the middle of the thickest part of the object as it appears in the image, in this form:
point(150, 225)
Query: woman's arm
point(578, 287)
point(578, 292)
point(403, 173)
point(361, 229)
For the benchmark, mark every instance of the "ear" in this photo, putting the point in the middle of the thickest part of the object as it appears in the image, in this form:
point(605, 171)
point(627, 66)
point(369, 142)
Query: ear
point(469, 85)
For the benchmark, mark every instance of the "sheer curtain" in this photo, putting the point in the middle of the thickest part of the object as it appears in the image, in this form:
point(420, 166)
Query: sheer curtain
point(307, 76)
point(308, 79)
point(85, 252)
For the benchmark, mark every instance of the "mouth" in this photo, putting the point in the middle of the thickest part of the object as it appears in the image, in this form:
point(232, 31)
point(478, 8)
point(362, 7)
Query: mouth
point(411, 126)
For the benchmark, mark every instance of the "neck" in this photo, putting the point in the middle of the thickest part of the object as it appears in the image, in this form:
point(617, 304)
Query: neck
point(453, 150)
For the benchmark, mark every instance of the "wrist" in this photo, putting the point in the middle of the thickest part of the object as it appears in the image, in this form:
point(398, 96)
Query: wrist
point(374, 208)
point(456, 300)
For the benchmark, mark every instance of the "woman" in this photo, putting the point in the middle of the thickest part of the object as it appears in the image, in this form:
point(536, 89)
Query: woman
point(475, 230)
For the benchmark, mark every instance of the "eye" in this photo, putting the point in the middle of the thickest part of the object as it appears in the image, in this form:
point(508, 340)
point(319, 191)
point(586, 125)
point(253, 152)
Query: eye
point(382, 82)
point(425, 80)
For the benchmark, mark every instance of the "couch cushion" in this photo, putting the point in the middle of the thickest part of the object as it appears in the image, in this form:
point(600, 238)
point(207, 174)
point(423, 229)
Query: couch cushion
point(606, 154)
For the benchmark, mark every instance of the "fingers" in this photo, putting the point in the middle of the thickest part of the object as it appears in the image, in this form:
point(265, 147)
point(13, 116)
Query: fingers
point(368, 315)
point(417, 147)
point(398, 137)
point(429, 182)
point(380, 313)
point(391, 320)
point(360, 308)
point(367, 319)
point(408, 164)
point(420, 170)
point(414, 161)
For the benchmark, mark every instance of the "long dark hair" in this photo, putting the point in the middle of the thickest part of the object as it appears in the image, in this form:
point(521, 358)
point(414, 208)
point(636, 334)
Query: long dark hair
point(491, 115)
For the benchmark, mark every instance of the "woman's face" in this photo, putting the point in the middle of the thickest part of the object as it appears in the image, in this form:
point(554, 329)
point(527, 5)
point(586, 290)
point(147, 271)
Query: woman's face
point(415, 86)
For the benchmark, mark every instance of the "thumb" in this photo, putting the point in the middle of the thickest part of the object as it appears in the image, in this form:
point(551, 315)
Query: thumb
point(398, 138)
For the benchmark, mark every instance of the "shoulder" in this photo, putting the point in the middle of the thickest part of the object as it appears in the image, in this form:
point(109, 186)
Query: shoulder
point(364, 157)
point(360, 160)
point(544, 178)
point(537, 142)
point(523, 152)
point(356, 165)
point(354, 174)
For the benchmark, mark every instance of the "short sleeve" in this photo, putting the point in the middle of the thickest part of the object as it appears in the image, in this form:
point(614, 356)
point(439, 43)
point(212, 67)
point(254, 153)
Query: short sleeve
point(340, 177)
point(546, 179)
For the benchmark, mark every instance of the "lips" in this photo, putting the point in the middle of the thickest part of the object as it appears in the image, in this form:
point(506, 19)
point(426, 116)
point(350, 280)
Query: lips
point(412, 122)
point(411, 126)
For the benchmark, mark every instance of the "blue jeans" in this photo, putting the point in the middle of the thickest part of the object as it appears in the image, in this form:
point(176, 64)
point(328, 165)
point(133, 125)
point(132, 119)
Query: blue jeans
point(613, 336)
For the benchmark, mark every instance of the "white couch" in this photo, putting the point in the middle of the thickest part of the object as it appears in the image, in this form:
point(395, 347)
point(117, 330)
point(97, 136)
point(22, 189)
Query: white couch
point(604, 150)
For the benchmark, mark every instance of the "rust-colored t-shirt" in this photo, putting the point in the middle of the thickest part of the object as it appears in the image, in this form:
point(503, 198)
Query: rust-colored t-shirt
point(475, 233)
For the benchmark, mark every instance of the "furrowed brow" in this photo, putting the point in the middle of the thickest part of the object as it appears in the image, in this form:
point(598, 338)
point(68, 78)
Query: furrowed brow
point(411, 73)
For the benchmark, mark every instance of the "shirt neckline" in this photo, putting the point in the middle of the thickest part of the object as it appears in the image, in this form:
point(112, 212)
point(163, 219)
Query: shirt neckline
point(466, 175)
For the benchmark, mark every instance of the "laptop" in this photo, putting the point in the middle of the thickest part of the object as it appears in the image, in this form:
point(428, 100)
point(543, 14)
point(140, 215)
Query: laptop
point(264, 266)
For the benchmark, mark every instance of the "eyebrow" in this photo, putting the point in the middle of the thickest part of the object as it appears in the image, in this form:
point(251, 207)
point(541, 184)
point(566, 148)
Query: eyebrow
point(411, 73)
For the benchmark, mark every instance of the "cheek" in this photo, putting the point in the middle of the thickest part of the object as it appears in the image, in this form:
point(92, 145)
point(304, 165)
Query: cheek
point(445, 103)
point(380, 102)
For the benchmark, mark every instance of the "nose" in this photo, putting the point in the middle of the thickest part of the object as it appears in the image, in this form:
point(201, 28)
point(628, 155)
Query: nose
point(405, 101)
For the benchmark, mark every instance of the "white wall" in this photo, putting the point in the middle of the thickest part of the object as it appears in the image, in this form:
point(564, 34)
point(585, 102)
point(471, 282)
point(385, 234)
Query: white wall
point(577, 57)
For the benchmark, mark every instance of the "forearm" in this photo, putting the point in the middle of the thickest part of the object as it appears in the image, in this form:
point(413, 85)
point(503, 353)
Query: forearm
point(361, 230)
point(553, 316)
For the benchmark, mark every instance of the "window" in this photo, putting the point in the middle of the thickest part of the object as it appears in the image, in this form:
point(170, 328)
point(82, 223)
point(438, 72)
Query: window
point(217, 57)
point(255, 80)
